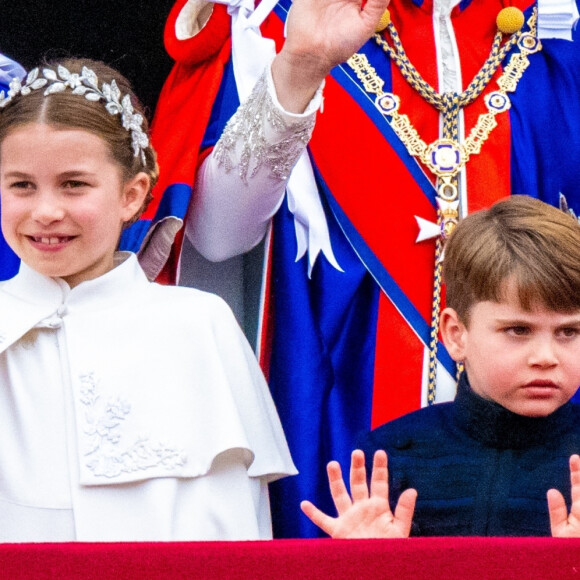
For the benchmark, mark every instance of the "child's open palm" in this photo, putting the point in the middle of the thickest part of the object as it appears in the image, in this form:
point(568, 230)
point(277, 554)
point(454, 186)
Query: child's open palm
point(364, 515)
point(562, 523)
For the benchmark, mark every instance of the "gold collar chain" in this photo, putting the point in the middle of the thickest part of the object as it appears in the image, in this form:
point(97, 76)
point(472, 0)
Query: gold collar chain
point(446, 157)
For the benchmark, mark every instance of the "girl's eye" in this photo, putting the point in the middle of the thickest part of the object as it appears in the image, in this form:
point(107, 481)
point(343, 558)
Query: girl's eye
point(21, 188)
point(21, 185)
point(73, 184)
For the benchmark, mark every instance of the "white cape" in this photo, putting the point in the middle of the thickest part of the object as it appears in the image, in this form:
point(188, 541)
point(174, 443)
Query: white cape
point(149, 399)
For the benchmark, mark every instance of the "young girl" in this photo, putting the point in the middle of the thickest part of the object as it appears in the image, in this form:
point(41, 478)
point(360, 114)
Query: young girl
point(128, 410)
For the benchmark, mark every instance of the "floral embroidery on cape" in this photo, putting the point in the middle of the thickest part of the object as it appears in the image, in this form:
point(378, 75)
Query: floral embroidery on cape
point(103, 438)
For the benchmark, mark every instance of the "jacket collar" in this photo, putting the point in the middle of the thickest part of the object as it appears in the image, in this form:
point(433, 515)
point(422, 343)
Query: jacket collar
point(495, 426)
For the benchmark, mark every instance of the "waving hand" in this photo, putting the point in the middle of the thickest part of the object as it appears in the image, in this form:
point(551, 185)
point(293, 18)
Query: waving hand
point(364, 515)
point(562, 523)
point(320, 35)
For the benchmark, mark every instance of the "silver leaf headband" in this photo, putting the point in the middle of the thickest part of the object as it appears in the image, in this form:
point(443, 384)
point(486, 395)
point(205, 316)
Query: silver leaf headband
point(86, 84)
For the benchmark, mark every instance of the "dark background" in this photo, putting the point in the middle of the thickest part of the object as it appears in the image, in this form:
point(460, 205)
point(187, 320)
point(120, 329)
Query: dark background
point(126, 34)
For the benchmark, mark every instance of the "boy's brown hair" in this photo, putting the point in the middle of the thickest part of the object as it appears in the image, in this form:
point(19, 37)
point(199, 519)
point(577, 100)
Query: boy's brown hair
point(521, 238)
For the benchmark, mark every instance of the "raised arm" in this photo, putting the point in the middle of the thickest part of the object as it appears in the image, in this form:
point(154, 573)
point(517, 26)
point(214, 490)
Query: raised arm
point(364, 515)
point(241, 184)
point(562, 523)
point(320, 35)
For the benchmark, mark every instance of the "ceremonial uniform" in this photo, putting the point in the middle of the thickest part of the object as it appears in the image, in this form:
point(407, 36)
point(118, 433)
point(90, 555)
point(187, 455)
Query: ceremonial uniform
point(351, 296)
point(130, 411)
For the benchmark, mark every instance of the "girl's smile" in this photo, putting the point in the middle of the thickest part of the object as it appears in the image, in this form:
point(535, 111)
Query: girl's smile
point(63, 201)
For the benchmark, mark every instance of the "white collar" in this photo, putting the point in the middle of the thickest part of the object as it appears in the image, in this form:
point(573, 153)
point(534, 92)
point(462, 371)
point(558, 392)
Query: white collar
point(31, 299)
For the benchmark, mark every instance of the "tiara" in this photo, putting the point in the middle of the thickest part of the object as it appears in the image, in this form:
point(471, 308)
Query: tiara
point(87, 85)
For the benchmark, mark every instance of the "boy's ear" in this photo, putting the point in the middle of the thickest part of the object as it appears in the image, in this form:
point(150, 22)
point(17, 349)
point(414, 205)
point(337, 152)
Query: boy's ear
point(454, 334)
point(134, 193)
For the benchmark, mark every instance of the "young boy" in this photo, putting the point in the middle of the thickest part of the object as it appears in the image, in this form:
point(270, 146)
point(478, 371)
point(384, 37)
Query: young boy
point(483, 464)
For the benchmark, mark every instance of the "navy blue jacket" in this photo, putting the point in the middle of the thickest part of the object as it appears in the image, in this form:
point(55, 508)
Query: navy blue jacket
point(479, 469)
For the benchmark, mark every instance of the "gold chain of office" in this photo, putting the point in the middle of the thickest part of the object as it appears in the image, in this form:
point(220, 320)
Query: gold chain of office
point(446, 157)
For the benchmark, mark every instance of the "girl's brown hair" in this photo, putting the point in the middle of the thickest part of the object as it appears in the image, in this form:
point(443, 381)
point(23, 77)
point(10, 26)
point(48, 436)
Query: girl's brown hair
point(67, 110)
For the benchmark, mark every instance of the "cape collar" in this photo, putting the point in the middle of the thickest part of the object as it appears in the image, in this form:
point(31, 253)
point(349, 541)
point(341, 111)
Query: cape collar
point(31, 299)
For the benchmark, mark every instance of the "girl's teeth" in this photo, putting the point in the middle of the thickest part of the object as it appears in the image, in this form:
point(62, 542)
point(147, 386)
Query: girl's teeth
point(51, 240)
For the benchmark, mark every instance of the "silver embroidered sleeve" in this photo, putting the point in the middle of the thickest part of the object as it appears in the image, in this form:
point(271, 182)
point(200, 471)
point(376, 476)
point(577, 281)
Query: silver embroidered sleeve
point(259, 136)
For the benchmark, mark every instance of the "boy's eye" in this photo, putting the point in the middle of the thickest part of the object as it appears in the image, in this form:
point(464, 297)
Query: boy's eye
point(569, 332)
point(517, 330)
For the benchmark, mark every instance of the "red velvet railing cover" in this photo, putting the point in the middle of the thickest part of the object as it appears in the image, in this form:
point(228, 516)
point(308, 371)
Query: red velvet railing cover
point(416, 558)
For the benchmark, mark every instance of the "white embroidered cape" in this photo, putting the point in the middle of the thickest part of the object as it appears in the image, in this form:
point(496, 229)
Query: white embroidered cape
point(130, 411)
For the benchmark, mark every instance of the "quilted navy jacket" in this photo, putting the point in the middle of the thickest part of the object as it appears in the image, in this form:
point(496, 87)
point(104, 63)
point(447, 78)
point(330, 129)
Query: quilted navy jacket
point(479, 469)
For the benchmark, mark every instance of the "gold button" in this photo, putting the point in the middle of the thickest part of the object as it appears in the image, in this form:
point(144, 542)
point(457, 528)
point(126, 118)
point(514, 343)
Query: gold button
point(510, 20)
point(384, 21)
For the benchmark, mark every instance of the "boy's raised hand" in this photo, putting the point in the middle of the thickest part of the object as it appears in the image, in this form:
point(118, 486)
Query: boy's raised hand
point(364, 515)
point(566, 525)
